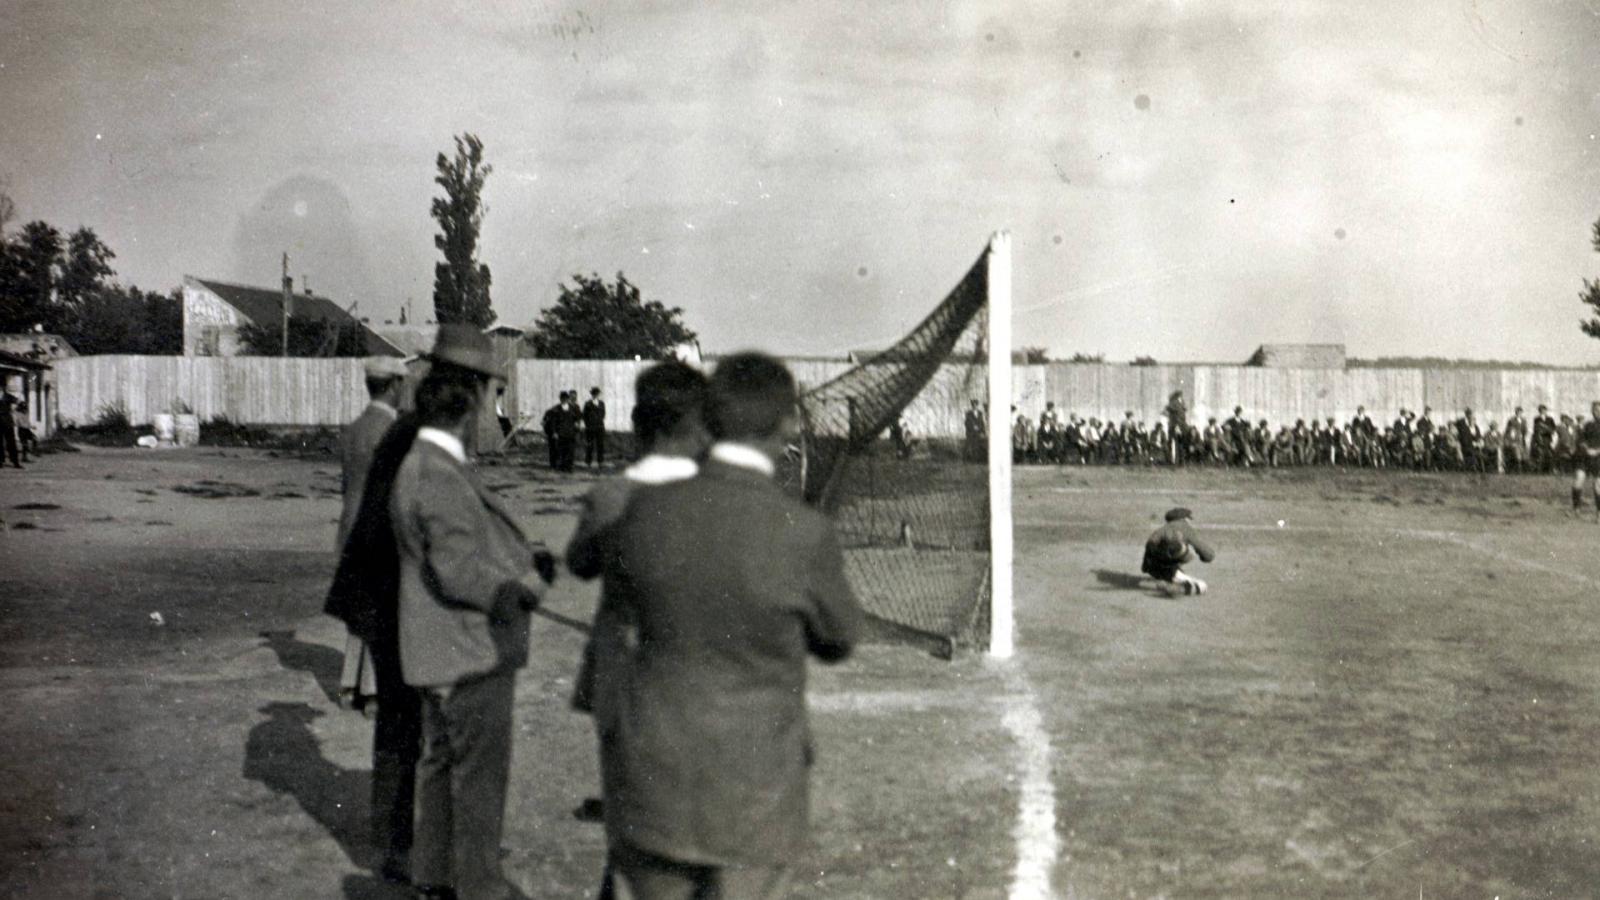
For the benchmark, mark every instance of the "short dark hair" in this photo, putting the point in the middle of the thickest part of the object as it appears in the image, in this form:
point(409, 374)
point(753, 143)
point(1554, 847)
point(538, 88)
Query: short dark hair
point(381, 383)
point(748, 397)
point(447, 394)
point(664, 395)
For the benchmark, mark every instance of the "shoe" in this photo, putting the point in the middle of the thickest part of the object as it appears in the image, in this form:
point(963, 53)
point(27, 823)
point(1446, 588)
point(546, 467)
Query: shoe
point(1199, 586)
point(592, 809)
point(395, 872)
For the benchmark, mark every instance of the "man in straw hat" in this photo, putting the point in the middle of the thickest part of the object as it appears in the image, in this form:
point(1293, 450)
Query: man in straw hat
point(364, 596)
point(1172, 545)
point(468, 578)
point(385, 376)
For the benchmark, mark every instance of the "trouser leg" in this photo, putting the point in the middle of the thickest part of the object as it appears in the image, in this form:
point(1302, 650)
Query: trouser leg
point(430, 853)
point(355, 650)
point(396, 747)
point(461, 787)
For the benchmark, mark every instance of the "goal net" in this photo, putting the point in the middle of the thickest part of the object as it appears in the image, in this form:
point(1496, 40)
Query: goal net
point(901, 450)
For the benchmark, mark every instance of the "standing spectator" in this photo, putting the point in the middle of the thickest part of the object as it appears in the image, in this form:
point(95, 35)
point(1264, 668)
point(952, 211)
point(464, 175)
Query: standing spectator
point(594, 429)
point(977, 433)
point(568, 421)
point(501, 416)
point(27, 442)
point(1049, 433)
point(1494, 447)
point(365, 596)
point(468, 578)
point(1470, 436)
point(357, 442)
point(1177, 425)
point(1216, 442)
point(1238, 429)
point(1586, 462)
point(668, 424)
point(548, 425)
point(1542, 442)
point(8, 424)
point(733, 586)
point(1516, 442)
point(1072, 440)
point(1090, 436)
point(1129, 438)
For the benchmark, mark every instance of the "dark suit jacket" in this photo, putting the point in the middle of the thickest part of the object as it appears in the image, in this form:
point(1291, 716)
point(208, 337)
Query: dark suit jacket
point(463, 560)
point(594, 416)
point(705, 741)
point(366, 586)
point(357, 443)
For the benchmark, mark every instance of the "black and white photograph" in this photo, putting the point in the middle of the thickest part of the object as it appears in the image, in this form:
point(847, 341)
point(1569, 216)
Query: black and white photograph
point(918, 450)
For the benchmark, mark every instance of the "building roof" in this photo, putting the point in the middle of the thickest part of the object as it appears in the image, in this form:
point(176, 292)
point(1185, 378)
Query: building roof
point(411, 340)
point(37, 345)
point(16, 362)
point(264, 305)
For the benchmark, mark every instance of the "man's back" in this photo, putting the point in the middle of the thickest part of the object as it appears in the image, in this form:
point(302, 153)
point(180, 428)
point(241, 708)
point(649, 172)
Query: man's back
point(357, 443)
point(732, 585)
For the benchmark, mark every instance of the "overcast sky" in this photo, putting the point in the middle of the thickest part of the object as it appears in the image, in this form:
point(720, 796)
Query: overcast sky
point(1185, 180)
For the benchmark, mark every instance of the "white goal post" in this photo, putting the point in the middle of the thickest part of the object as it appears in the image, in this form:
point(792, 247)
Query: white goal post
point(1002, 618)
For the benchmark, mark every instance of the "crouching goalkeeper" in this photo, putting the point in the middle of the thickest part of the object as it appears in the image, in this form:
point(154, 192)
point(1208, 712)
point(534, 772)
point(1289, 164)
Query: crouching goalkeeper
point(1172, 545)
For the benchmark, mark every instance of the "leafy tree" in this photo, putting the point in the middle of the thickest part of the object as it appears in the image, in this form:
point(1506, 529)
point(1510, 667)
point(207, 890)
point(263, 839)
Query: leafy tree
point(1144, 361)
point(1088, 358)
point(28, 277)
point(118, 319)
point(596, 320)
point(307, 337)
point(1591, 292)
point(81, 273)
point(461, 283)
point(1033, 356)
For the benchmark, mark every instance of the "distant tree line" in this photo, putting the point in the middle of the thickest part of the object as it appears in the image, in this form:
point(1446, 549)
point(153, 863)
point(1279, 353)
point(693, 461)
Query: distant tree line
point(64, 284)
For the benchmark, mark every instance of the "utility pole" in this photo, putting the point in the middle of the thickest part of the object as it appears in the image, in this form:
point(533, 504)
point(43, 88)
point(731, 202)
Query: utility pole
point(288, 299)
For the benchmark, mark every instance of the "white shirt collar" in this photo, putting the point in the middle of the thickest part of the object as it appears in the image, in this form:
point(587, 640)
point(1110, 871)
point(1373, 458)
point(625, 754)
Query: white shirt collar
point(743, 456)
point(655, 468)
point(386, 408)
point(445, 441)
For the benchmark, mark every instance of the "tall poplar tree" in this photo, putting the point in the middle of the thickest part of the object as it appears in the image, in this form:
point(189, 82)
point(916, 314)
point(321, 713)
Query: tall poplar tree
point(460, 282)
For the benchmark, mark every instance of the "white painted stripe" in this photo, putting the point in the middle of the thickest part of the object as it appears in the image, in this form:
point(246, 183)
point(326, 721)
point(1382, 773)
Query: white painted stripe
point(1038, 844)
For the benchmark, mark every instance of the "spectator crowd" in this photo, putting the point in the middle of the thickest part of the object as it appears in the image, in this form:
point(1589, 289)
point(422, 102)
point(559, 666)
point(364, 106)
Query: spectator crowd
point(1424, 442)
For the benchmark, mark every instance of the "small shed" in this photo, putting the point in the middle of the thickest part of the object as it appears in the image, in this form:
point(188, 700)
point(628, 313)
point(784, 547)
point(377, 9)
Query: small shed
point(25, 378)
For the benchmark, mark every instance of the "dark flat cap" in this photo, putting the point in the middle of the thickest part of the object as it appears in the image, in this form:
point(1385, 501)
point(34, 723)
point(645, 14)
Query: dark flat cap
point(1177, 513)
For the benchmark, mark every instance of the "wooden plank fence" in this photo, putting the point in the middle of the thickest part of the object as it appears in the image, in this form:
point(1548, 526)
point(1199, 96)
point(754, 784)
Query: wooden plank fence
point(274, 391)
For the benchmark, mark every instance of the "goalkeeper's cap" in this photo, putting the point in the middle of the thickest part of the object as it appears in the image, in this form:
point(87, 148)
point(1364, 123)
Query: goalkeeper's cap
point(1178, 513)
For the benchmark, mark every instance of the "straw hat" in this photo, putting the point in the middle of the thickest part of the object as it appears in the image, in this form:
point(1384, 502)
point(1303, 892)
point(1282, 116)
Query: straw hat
point(463, 345)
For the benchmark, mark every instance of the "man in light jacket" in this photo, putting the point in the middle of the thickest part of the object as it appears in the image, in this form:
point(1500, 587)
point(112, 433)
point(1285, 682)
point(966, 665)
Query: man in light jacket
point(468, 579)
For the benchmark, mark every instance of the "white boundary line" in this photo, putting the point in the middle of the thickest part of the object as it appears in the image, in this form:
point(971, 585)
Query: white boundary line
point(1037, 841)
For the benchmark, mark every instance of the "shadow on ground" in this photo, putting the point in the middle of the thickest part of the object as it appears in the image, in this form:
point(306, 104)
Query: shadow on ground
point(283, 754)
point(1112, 580)
point(322, 663)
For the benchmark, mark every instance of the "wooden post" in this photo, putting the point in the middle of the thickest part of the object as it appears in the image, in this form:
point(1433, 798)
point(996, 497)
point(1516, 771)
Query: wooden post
point(288, 298)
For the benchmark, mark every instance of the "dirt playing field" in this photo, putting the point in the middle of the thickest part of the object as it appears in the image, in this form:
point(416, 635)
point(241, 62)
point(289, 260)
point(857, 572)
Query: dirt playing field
point(1393, 694)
